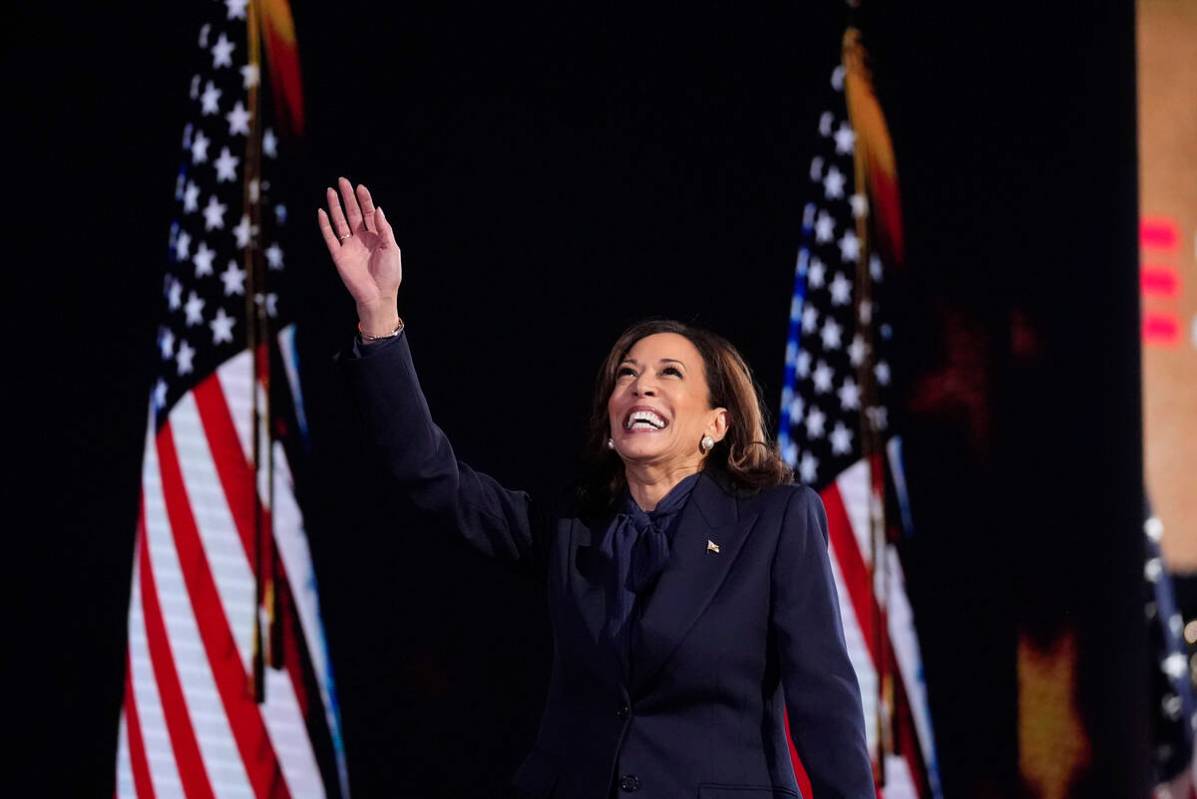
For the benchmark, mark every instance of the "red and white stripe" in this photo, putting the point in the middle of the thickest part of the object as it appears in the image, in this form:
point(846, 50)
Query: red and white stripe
point(868, 597)
point(191, 725)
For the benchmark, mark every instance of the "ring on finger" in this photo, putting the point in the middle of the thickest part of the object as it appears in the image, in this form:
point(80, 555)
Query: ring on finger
point(347, 235)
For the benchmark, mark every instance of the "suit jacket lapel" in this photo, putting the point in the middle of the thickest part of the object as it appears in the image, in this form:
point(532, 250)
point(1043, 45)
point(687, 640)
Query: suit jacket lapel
point(588, 587)
point(693, 576)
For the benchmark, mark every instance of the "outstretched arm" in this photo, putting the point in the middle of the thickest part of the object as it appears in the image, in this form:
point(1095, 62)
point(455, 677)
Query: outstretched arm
point(417, 454)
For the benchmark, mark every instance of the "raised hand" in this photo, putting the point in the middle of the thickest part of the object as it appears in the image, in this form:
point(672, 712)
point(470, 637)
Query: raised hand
point(362, 245)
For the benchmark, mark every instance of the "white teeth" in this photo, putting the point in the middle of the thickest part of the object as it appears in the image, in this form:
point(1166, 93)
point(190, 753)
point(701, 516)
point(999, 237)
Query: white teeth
point(644, 420)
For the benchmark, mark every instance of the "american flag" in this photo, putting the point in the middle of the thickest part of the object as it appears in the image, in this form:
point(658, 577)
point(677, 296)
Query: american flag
point(228, 688)
point(835, 421)
point(1174, 716)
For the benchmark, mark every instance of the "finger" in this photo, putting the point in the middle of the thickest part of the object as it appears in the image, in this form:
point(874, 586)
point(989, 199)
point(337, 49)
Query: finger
point(367, 203)
point(330, 238)
point(384, 229)
point(352, 211)
point(338, 218)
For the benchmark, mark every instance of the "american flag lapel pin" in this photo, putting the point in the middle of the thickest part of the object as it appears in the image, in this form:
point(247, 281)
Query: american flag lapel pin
point(712, 547)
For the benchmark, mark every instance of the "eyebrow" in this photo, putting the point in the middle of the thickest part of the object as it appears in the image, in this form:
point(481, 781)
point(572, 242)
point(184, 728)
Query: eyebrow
point(660, 360)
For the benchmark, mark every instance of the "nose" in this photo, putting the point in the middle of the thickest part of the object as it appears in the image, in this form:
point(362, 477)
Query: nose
point(644, 387)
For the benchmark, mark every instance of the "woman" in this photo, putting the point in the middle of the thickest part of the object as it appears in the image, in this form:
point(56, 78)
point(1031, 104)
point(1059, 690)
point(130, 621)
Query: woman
point(690, 589)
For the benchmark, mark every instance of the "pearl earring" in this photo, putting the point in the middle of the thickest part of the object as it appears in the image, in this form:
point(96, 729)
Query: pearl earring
point(706, 443)
point(610, 443)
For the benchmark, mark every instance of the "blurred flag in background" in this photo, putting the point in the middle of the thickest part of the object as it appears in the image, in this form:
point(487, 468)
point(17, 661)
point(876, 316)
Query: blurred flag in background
point(835, 426)
point(228, 690)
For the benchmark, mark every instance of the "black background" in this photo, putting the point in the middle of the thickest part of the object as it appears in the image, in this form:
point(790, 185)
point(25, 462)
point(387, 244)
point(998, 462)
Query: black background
point(555, 173)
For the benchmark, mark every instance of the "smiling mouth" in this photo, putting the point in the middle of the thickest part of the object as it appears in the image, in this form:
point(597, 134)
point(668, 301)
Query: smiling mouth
point(641, 420)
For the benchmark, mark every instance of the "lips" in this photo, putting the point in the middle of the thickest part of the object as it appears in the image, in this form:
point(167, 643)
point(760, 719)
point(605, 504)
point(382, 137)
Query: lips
point(642, 418)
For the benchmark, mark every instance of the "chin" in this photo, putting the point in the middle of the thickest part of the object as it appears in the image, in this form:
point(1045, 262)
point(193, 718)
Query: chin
point(636, 448)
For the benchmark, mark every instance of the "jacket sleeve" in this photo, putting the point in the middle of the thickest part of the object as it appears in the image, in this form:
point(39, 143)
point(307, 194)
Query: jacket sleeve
point(821, 691)
point(498, 522)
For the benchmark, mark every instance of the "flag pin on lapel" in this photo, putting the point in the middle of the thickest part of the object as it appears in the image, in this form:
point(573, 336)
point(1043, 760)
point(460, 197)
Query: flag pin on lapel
point(712, 546)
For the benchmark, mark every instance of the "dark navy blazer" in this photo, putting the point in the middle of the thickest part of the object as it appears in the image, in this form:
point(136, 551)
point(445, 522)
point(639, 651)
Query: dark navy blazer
point(726, 642)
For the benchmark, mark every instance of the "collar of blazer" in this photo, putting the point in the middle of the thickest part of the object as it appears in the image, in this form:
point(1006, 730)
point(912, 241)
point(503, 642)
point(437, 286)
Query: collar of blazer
point(686, 586)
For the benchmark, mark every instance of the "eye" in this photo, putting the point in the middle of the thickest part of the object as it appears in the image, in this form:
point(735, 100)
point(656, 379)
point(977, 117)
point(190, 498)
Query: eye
point(672, 370)
point(625, 371)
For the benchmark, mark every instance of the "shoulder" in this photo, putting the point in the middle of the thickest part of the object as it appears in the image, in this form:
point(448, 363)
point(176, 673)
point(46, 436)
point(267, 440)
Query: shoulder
point(786, 498)
point(562, 504)
point(796, 513)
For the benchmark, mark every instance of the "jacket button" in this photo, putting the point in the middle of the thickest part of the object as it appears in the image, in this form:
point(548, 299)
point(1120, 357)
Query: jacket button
point(623, 712)
point(629, 783)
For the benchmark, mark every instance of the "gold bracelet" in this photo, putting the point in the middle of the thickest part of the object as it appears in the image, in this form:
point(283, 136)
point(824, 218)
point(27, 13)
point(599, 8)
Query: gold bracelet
point(366, 337)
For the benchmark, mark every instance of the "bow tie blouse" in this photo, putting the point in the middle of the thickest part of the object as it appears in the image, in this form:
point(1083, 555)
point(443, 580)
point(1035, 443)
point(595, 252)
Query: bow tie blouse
point(636, 547)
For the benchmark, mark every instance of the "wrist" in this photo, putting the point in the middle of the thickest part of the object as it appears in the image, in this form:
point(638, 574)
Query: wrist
point(378, 320)
point(368, 337)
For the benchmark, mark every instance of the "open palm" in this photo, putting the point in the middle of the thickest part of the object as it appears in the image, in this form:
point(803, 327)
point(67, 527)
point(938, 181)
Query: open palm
point(363, 248)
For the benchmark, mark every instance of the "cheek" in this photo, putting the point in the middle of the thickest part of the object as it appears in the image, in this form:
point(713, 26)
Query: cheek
point(613, 410)
point(689, 416)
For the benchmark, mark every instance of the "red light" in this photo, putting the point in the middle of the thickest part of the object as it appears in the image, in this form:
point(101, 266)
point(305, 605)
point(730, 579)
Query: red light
point(1158, 232)
point(1161, 329)
point(1160, 281)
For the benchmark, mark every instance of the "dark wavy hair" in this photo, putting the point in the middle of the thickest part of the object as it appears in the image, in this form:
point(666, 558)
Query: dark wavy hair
point(747, 456)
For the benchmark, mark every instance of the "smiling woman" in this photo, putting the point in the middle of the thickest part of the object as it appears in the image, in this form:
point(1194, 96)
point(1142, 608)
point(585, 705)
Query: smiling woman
point(690, 589)
point(658, 363)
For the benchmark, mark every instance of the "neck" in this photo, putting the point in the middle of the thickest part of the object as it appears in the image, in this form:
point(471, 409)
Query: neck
point(648, 484)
